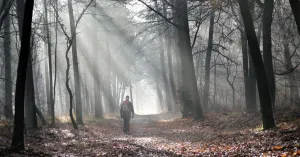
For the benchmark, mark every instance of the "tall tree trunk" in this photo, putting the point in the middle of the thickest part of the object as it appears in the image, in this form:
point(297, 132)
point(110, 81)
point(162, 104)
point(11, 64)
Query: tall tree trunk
point(8, 109)
point(265, 99)
point(163, 69)
point(97, 92)
point(60, 94)
point(159, 94)
point(18, 132)
point(75, 65)
point(109, 79)
point(252, 77)
point(87, 99)
point(36, 81)
point(55, 54)
point(30, 106)
point(96, 76)
point(123, 92)
point(130, 89)
point(51, 96)
point(170, 65)
point(295, 5)
point(187, 67)
point(249, 106)
point(252, 83)
point(47, 88)
point(215, 83)
point(207, 61)
point(267, 47)
point(69, 91)
point(4, 10)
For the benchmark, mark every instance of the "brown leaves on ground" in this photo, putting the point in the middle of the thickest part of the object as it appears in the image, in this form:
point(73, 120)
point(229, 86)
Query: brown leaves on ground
point(229, 134)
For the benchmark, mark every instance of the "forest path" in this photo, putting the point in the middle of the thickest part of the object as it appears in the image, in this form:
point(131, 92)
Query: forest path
point(168, 135)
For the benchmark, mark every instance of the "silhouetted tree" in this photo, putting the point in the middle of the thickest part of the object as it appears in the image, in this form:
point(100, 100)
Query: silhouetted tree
point(264, 94)
point(18, 132)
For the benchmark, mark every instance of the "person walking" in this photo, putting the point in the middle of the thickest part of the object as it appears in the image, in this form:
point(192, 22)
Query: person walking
point(126, 111)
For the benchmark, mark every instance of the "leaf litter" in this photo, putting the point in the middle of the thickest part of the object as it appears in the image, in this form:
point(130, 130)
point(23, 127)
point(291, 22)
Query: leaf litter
point(231, 134)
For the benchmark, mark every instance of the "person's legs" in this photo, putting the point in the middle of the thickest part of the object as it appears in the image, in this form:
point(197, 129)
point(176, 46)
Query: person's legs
point(126, 122)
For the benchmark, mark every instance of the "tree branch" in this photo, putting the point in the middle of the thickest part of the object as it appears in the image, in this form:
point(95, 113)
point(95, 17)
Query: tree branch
point(160, 14)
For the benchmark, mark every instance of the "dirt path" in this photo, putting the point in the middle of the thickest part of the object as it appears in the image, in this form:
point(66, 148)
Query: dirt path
point(164, 135)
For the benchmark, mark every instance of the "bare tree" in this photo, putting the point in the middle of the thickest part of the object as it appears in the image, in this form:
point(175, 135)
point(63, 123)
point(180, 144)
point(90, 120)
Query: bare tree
point(263, 89)
point(18, 132)
point(207, 61)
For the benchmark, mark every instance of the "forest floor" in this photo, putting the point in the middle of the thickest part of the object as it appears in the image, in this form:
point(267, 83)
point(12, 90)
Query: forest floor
point(231, 134)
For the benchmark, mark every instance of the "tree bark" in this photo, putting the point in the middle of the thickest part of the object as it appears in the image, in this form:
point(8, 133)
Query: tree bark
point(170, 65)
point(249, 106)
point(163, 68)
point(30, 106)
point(51, 96)
point(18, 132)
point(295, 5)
point(96, 76)
point(265, 99)
point(215, 83)
point(47, 88)
point(69, 90)
point(8, 109)
point(75, 65)
point(267, 47)
point(187, 67)
point(207, 62)
point(4, 10)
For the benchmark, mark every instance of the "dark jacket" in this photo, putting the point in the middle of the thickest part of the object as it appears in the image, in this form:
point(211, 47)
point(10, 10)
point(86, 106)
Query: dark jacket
point(129, 105)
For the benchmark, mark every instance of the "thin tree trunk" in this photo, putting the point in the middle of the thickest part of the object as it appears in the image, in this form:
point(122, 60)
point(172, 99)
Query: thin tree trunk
point(123, 92)
point(55, 54)
point(215, 82)
point(130, 88)
point(163, 68)
point(8, 109)
point(4, 10)
point(249, 106)
point(69, 91)
point(295, 5)
point(75, 65)
point(97, 81)
point(267, 47)
point(265, 99)
point(50, 64)
point(30, 106)
point(252, 83)
point(18, 132)
point(47, 88)
point(85, 95)
point(60, 93)
point(159, 94)
point(169, 56)
point(36, 81)
point(207, 61)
